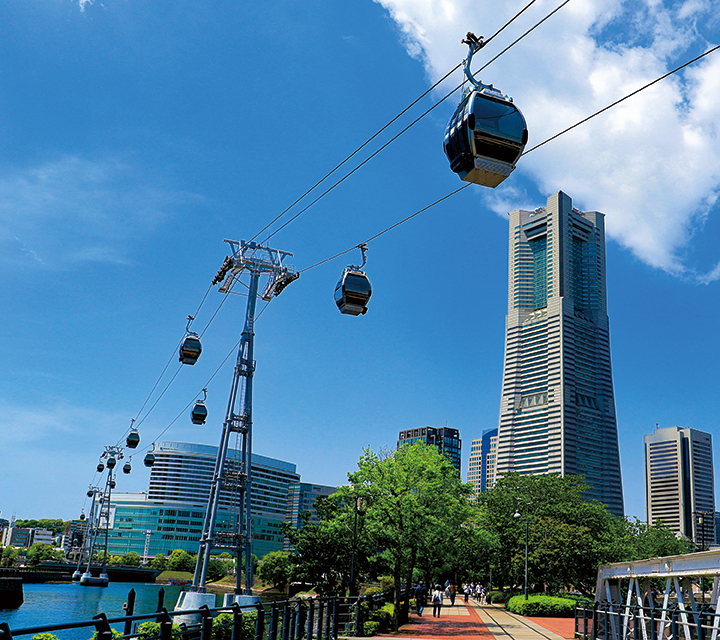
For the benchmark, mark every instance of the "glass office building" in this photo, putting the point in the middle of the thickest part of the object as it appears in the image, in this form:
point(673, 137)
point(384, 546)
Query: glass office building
point(170, 515)
point(481, 464)
point(445, 439)
point(679, 483)
point(557, 410)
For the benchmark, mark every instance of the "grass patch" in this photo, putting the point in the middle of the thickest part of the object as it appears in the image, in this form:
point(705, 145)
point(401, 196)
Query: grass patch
point(175, 575)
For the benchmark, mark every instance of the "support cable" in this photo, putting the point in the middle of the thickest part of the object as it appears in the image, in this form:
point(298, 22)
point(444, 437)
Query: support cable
point(412, 104)
point(617, 102)
point(557, 135)
point(207, 384)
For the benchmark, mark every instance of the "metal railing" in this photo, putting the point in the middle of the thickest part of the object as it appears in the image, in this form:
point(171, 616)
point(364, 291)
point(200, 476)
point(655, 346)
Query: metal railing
point(607, 621)
point(303, 619)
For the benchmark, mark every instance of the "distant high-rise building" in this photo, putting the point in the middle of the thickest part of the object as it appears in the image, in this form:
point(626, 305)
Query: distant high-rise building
point(445, 439)
point(679, 486)
point(301, 500)
point(481, 465)
point(557, 410)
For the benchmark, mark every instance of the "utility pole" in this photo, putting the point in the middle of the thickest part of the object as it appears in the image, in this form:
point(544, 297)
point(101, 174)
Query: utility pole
point(234, 475)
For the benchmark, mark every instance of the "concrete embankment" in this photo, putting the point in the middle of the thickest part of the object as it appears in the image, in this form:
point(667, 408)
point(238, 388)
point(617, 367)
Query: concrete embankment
point(11, 593)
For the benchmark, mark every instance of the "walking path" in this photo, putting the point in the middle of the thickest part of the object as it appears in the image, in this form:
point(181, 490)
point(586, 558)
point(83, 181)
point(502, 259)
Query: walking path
point(475, 622)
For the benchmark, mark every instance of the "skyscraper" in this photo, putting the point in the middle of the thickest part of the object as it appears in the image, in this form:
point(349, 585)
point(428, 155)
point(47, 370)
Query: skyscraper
point(447, 441)
point(679, 488)
point(557, 411)
point(481, 464)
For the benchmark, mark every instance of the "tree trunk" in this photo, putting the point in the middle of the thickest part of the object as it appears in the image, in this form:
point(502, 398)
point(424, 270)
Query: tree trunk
point(397, 577)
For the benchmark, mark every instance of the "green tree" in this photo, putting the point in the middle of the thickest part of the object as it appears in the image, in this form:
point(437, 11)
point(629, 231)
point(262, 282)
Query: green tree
point(180, 560)
point(568, 536)
point(9, 556)
point(641, 540)
point(131, 559)
point(159, 562)
point(217, 569)
point(414, 498)
point(275, 568)
point(40, 552)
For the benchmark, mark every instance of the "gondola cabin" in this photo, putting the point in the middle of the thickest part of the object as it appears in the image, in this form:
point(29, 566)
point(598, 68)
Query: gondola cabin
point(485, 137)
point(133, 439)
point(100, 467)
point(199, 413)
point(352, 292)
point(190, 349)
point(111, 462)
point(127, 467)
point(149, 460)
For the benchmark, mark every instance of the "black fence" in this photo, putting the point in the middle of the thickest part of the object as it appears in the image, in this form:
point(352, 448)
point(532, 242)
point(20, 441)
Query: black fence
point(302, 619)
point(606, 621)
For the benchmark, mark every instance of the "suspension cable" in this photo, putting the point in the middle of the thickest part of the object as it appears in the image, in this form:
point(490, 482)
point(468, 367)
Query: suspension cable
point(434, 86)
point(384, 231)
point(557, 135)
point(617, 102)
point(207, 384)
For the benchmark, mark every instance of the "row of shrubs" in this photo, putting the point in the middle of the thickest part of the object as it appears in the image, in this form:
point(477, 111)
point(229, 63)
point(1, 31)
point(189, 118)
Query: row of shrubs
point(222, 629)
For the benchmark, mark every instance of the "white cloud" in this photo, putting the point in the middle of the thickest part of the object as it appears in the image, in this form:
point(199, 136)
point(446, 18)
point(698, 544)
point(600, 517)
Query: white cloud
point(75, 211)
point(652, 164)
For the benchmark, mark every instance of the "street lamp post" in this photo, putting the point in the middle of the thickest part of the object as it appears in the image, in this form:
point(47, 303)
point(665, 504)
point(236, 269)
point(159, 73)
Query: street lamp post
point(358, 503)
point(527, 531)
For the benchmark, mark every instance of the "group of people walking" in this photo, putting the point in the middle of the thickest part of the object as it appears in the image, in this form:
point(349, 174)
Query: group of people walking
point(440, 595)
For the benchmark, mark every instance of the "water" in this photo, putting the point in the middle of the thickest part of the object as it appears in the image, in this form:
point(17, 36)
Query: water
point(47, 604)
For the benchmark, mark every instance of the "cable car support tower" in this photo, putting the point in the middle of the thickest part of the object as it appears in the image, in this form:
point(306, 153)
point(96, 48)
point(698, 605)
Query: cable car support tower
point(257, 261)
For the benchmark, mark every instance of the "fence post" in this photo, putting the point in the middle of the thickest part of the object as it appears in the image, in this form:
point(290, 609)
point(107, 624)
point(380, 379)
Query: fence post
point(286, 621)
point(636, 631)
point(260, 622)
point(104, 632)
point(336, 615)
point(359, 625)
point(300, 629)
point(273, 622)
point(594, 621)
point(207, 623)
point(584, 619)
point(310, 621)
point(322, 614)
point(129, 607)
point(5, 631)
point(700, 630)
point(607, 622)
point(674, 624)
point(653, 628)
point(161, 601)
point(328, 611)
point(237, 621)
point(165, 625)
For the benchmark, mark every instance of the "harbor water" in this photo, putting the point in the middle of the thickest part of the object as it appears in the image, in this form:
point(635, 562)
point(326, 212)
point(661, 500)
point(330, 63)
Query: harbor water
point(48, 604)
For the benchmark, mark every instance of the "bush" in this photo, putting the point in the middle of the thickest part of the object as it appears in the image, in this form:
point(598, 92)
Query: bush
point(152, 630)
point(249, 620)
point(44, 636)
point(542, 606)
point(116, 635)
point(383, 616)
point(369, 628)
point(500, 597)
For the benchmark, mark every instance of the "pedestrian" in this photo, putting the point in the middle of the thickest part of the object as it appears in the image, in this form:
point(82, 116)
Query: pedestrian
point(467, 592)
point(420, 598)
point(453, 590)
point(437, 600)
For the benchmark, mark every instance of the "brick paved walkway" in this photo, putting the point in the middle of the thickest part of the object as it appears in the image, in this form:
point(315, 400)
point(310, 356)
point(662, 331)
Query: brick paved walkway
point(473, 622)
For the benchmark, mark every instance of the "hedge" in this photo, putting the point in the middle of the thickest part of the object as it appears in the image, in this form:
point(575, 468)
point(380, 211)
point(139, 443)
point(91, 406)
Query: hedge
point(542, 606)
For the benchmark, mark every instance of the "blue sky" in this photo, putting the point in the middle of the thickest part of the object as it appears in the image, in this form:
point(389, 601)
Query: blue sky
point(137, 136)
